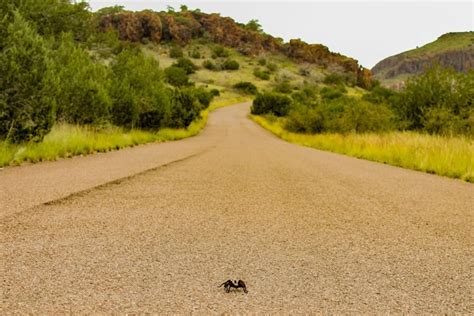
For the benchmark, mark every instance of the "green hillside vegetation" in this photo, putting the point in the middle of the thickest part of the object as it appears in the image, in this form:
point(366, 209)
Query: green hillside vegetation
point(427, 126)
point(446, 42)
point(451, 50)
point(117, 70)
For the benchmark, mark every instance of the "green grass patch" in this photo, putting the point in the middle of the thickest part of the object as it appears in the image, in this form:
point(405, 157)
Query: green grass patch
point(71, 140)
point(447, 156)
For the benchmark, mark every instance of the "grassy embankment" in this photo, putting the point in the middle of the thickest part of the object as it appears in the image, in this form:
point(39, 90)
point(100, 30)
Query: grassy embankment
point(71, 140)
point(447, 156)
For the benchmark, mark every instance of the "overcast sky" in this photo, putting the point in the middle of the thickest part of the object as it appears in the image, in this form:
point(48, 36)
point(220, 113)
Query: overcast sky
point(366, 30)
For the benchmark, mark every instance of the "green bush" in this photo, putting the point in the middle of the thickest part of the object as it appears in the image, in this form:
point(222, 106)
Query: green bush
point(334, 79)
point(195, 53)
point(209, 65)
point(140, 97)
point(220, 51)
point(331, 93)
point(53, 17)
point(83, 95)
point(215, 92)
point(177, 76)
point(176, 52)
point(304, 119)
point(246, 87)
point(203, 96)
point(379, 95)
point(340, 115)
point(27, 85)
point(185, 108)
point(262, 61)
point(283, 87)
point(271, 103)
point(261, 74)
point(438, 101)
point(186, 64)
point(230, 64)
point(306, 96)
point(272, 67)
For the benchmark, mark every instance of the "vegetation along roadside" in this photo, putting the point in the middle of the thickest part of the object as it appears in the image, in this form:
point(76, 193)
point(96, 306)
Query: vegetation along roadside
point(428, 125)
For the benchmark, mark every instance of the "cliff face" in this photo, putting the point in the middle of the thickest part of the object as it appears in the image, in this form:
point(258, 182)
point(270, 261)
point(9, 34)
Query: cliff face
point(455, 50)
point(182, 27)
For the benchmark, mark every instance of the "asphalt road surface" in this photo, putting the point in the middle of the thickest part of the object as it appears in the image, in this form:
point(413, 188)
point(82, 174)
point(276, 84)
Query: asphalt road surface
point(158, 227)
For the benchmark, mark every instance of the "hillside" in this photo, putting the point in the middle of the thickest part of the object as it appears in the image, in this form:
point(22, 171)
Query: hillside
point(454, 50)
point(185, 27)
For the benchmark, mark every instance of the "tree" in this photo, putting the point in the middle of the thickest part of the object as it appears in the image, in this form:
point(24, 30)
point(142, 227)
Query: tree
point(27, 87)
point(254, 25)
point(439, 95)
point(177, 76)
point(52, 17)
point(83, 94)
point(139, 95)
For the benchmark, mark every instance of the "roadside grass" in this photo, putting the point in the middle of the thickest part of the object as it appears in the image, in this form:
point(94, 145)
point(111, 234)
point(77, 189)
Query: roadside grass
point(446, 156)
point(66, 140)
point(71, 140)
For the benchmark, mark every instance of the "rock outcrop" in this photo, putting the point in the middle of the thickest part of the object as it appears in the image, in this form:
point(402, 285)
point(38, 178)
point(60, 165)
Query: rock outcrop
point(182, 27)
point(447, 51)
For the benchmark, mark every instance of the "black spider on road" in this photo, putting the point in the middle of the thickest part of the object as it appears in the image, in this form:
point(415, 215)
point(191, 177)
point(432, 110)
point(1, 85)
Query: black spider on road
point(234, 284)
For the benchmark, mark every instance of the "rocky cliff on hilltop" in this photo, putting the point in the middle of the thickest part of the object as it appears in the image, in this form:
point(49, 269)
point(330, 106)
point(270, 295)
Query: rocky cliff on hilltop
point(182, 27)
point(455, 50)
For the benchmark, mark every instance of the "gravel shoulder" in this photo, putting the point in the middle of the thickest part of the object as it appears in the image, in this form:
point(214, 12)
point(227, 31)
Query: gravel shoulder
point(308, 231)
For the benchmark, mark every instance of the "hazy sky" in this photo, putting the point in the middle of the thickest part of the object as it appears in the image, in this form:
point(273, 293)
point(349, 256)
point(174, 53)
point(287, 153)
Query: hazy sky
point(366, 30)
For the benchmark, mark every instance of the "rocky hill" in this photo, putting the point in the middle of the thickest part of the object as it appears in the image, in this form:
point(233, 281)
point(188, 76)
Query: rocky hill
point(454, 50)
point(184, 26)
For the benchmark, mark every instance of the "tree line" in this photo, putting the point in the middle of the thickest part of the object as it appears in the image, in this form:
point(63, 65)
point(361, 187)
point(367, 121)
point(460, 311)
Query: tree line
point(439, 101)
point(56, 67)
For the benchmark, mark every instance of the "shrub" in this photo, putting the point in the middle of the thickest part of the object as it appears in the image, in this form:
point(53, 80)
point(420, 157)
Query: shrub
point(53, 17)
point(185, 108)
point(438, 94)
point(83, 95)
point(261, 74)
point(220, 51)
point(340, 115)
point(334, 79)
point(176, 52)
point(379, 95)
point(307, 95)
point(27, 86)
point(305, 72)
point(204, 97)
point(186, 64)
point(230, 64)
point(195, 54)
point(246, 87)
point(283, 87)
point(209, 65)
point(272, 67)
point(215, 92)
point(304, 119)
point(331, 93)
point(271, 103)
point(262, 61)
point(140, 98)
point(177, 76)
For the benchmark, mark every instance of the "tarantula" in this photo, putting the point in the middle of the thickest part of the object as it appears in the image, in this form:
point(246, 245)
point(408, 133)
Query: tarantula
point(234, 284)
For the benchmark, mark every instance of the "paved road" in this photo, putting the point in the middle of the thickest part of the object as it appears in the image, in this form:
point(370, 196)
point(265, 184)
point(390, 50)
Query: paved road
point(158, 227)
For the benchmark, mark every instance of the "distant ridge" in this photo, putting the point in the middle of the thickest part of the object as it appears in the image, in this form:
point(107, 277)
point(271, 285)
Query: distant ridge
point(455, 50)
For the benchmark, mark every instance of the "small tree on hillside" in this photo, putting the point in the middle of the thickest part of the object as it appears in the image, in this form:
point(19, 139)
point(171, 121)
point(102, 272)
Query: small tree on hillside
point(26, 84)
